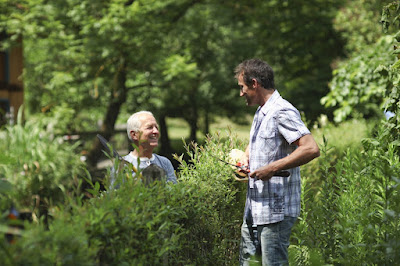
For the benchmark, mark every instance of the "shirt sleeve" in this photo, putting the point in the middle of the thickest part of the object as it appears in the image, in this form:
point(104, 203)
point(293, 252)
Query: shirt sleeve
point(170, 172)
point(290, 125)
point(166, 164)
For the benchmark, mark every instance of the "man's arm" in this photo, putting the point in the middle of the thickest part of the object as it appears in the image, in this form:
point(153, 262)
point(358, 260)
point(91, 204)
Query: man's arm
point(169, 168)
point(306, 151)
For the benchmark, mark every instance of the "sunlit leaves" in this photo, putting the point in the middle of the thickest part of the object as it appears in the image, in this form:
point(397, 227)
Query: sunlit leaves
point(178, 66)
point(357, 83)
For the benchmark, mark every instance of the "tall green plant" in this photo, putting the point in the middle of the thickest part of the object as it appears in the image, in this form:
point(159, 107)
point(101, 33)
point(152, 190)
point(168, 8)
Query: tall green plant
point(216, 225)
point(383, 170)
point(42, 168)
point(353, 217)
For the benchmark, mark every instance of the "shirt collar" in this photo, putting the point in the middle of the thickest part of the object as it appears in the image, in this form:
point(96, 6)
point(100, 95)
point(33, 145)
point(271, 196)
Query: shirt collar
point(269, 104)
point(131, 158)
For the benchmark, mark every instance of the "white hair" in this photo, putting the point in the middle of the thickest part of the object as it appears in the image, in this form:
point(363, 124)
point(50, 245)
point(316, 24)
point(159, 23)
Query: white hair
point(134, 123)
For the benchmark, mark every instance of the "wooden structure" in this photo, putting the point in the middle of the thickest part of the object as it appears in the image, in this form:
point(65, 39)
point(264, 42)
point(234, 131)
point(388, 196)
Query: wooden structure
point(11, 85)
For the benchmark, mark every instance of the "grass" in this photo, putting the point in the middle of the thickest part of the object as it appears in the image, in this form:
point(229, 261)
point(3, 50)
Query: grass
point(346, 135)
point(178, 129)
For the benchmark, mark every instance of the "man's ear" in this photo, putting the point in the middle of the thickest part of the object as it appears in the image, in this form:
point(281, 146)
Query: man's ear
point(254, 83)
point(134, 135)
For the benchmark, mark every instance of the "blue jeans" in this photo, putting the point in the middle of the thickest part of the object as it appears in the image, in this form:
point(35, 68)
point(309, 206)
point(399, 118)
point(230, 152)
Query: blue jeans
point(266, 244)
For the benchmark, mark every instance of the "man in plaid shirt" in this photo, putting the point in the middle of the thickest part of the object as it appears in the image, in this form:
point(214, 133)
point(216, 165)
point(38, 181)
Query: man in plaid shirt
point(279, 140)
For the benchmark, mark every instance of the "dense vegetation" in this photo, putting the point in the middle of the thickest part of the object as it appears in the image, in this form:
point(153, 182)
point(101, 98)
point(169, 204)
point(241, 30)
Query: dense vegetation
point(350, 211)
point(55, 212)
point(102, 60)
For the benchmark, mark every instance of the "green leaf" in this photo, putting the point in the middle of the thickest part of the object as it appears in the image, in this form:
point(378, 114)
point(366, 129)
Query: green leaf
point(5, 186)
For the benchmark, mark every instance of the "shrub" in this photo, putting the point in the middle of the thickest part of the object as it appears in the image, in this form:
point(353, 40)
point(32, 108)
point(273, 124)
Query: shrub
point(62, 243)
point(216, 216)
point(353, 216)
point(194, 222)
point(41, 167)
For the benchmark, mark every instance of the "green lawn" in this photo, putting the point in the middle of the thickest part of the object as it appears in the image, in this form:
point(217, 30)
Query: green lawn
point(178, 128)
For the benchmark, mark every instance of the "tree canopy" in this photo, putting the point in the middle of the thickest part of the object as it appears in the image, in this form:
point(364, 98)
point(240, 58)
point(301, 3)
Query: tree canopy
point(361, 81)
point(97, 60)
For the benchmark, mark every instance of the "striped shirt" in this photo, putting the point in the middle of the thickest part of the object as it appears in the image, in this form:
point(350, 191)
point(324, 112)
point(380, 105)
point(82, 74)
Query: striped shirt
point(276, 125)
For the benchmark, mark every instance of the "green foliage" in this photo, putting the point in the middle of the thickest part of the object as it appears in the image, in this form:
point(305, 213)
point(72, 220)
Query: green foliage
point(135, 225)
point(41, 168)
point(357, 23)
point(354, 217)
point(364, 210)
point(350, 132)
point(87, 55)
point(351, 216)
point(350, 195)
point(362, 84)
point(358, 88)
point(62, 243)
point(297, 38)
point(219, 201)
point(194, 222)
point(393, 70)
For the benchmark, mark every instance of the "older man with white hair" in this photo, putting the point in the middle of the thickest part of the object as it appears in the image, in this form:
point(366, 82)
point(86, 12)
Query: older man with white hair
point(143, 131)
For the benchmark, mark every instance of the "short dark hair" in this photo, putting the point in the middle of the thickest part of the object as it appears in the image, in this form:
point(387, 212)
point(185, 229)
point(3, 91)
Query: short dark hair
point(256, 69)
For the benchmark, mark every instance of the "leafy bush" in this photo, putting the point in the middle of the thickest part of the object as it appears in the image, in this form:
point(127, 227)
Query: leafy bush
point(41, 167)
point(196, 221)
point(63, 243)
point(134, 225)
point(357, 88)
point(352, 216)
point(218, 201)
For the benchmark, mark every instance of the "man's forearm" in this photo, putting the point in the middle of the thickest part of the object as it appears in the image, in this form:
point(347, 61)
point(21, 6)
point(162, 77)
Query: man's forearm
point(306, 151)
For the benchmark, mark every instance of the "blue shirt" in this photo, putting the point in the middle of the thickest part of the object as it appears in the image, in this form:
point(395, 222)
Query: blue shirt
point(276, 125)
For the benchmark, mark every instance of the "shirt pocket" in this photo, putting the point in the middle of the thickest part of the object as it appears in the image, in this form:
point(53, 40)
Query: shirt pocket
point(268, 141)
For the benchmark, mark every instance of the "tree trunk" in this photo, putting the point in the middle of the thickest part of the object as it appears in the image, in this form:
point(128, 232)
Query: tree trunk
point(118, 97)
point(192, 120)
point(206, 123)
point(165, 142)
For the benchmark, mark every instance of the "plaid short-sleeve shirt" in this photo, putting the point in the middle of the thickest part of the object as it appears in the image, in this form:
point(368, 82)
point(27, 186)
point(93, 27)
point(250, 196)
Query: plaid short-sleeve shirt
point(276, 125)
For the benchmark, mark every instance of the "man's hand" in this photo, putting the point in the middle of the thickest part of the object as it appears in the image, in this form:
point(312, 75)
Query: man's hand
point(307, 149)
point(263, 173)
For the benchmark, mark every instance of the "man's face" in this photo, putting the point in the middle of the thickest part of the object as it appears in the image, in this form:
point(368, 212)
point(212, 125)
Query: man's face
point(148, 134)
point(246, 91)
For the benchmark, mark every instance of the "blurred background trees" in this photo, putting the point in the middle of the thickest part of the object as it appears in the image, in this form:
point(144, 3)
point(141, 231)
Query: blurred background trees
point(102, 60)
